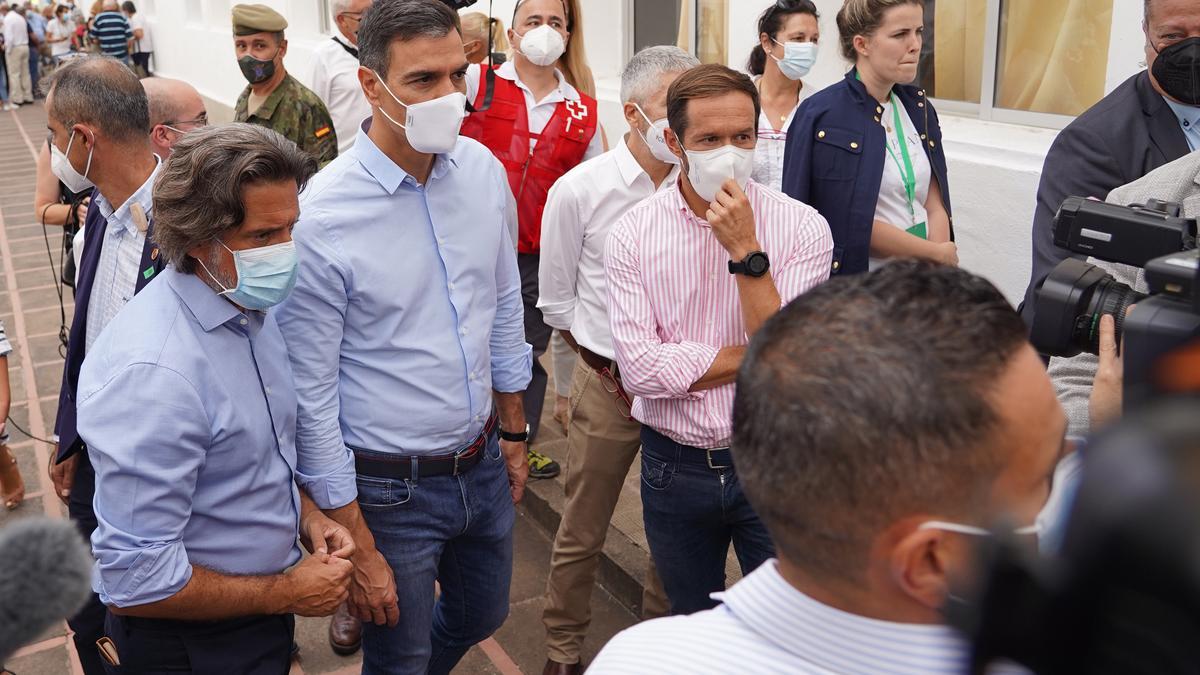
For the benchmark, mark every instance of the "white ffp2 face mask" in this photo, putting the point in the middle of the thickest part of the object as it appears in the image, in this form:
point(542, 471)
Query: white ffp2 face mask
point(708, 170)
point(431, 126)
point(61, 167)
point(656, 139)
point(543, 45)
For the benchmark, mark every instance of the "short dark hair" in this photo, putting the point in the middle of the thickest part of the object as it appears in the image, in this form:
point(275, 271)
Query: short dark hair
point(390, 20)
point(869, 399)
point(102, 92)
point(128, 7)
point(771, 22)
point(198, 195)
point(706, 81)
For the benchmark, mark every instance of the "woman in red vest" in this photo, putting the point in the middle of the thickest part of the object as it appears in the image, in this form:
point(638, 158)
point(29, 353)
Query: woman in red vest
point(540, 125)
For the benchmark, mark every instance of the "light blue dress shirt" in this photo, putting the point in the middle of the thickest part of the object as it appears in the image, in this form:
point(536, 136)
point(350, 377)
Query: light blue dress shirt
point(1189, 120)
point(407, 311)
point(188, 411)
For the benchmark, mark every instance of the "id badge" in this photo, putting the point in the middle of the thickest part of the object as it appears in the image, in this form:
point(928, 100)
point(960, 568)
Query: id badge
point(918, 230)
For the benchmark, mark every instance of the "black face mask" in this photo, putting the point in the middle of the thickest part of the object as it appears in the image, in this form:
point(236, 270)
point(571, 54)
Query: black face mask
point(256, 70)
point(1177, 70)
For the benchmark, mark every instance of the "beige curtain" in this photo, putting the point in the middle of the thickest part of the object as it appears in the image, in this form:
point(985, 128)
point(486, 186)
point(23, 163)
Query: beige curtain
point(958, 48)
point(1053, 55)
point(711, 29)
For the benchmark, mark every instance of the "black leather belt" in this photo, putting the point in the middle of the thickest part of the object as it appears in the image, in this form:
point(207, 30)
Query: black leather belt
point(595, 361)
point(410, 467)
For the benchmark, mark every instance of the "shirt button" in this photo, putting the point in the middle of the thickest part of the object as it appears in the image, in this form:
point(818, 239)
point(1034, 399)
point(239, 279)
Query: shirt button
point(450, 285)
point(243, 322)
point(268, 390)
point(463, 331)
point(441, 241)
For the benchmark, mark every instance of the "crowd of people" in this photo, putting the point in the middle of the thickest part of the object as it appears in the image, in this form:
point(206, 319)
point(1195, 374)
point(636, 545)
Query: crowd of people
point(326, 326)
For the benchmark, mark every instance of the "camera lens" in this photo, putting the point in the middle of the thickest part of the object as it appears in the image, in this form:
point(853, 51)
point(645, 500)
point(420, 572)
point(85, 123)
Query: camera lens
point(1070, 303)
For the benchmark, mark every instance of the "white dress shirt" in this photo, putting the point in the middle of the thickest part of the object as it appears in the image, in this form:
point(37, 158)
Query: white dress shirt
point(60, 29)
point(673, 305)
point(16, 31)
point(582, 207)
point(892, 207)
point(117, 271)
point(768, 626)
point(335, 80)
point(541, 111)
point(146, 43)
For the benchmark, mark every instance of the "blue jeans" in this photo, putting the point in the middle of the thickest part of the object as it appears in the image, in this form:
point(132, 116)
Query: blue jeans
point(692, 513)
point(456, 530)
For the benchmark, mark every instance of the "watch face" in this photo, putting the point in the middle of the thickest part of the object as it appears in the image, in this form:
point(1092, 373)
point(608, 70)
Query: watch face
point(757, 265)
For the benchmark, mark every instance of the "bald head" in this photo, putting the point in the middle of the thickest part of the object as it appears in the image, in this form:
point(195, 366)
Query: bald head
point(175, 108)
point(110, 5)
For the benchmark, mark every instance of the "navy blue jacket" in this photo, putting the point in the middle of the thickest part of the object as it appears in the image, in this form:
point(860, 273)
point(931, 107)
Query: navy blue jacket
point(835, 158)
point(93, 240)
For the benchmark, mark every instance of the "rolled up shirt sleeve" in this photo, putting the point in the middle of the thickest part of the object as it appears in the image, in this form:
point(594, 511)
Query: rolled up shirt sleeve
point(146, 476)
point(809, 263)
point(562, 248)
point(511, 356)
point(650, 368)
point(312, 320)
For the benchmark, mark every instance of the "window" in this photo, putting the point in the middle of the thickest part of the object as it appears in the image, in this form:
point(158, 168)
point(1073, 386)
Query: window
point(1027, 61)
point(325, 21)
point(656, 22)
point(703, 28)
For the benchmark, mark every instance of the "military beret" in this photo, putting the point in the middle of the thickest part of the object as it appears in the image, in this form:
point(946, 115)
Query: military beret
point(251, 19)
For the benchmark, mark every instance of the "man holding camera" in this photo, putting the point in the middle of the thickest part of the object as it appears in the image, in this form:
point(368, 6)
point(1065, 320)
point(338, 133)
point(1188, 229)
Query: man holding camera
point(1089, 386)
point(1150, 120)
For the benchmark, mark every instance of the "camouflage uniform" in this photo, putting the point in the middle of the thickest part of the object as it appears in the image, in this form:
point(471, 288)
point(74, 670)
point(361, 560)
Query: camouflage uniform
point(297, 114)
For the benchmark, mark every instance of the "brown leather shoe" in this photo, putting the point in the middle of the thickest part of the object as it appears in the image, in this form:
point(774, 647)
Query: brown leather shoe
point(556, 668)
point(345, 632)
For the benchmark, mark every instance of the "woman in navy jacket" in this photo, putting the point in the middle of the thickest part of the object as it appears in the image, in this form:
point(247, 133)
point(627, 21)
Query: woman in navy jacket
point(883, 198)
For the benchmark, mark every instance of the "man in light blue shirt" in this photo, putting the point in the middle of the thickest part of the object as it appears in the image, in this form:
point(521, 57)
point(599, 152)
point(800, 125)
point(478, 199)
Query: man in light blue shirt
point(187, 408)
point(1189, 121)
point(406, 337)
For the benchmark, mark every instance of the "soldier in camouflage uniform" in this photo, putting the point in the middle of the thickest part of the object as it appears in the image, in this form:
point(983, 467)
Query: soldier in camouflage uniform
point(273, 98)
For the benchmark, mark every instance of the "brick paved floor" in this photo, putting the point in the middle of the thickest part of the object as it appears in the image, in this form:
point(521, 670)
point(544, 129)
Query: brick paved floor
point(30, 311)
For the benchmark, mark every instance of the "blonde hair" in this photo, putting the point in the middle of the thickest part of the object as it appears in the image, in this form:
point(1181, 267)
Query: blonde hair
point(864, 17)
point(573, 63)
point(475, 27)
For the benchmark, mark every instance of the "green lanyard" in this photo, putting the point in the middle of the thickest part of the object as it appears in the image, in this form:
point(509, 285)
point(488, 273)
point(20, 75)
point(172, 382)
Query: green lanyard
point(907, 174)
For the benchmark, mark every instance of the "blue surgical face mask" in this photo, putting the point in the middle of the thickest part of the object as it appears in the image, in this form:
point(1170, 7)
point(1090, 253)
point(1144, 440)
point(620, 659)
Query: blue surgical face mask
point(265, 275)
point(798, 58)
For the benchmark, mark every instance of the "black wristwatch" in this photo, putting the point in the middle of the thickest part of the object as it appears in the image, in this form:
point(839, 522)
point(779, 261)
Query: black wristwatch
point(521, 437)
point(754, 265)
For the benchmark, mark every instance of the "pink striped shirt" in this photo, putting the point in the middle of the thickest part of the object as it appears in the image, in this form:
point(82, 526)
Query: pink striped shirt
point(673, 303)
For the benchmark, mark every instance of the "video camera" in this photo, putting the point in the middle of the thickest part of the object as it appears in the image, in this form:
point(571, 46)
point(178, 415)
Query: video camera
point(1071, 300)
point(1122, 593)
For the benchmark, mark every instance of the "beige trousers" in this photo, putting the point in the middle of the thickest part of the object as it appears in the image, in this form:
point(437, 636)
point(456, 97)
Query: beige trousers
point(19, 89)
point(601, 446)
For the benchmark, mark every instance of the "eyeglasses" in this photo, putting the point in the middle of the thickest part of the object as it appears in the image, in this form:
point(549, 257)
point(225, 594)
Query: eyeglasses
point(357, 16)
point(620, 397)
point(201, 121)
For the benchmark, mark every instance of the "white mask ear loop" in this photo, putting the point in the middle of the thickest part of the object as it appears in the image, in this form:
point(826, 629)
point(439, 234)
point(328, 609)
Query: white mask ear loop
point(398, 102)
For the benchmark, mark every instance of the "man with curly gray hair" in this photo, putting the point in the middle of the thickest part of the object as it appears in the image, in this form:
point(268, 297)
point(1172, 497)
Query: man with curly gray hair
point(188, 412)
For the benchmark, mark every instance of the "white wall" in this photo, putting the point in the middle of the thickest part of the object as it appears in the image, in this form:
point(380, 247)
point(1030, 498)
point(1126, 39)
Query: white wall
point(994, 168)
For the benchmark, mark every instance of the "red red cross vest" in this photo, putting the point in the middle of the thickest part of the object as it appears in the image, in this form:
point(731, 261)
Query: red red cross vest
point(504, 129)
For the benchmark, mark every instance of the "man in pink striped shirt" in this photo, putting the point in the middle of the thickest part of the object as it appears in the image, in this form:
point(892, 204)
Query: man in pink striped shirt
point(692, 273)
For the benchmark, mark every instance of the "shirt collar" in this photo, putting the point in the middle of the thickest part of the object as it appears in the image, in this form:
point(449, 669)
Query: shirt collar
point(387, 173)
point(1189, 115)
point(780, 614)
point(121, 217)
point(211, 310)
point(565, 92)
point(631, 170)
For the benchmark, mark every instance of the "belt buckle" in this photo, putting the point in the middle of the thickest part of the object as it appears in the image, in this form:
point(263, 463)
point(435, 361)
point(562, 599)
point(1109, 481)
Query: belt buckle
point(708, 457)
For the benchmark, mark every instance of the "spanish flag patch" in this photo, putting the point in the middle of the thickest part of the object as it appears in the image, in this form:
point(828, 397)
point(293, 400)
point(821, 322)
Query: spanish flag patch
point(323, 132)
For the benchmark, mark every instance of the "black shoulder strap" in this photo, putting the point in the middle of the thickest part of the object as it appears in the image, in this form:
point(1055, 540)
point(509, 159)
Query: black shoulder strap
point(349, 50)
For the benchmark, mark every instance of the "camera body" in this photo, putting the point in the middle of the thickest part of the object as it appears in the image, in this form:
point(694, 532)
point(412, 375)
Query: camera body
point(1071, 300)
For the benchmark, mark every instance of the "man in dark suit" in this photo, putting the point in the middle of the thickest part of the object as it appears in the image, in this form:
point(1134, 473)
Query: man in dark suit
point(1137, 128)
point(99, 136)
